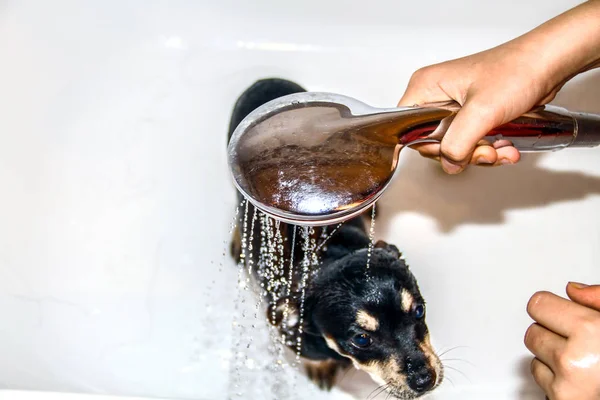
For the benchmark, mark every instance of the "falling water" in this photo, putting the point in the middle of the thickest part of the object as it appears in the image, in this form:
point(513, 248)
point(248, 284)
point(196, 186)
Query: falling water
point(280, 282)
point(309, 257)
point(270, 271)
point(204, 339)
point(371, 241)
point(236, 324)
point(276, 290)
point(286, 308)
point(325, 239)
point(247, 362)
point(210, 286)
point(250, 260)
point(288, 287)
point(323, 236)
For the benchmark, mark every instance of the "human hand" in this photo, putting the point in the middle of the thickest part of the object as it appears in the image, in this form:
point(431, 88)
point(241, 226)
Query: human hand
point(500, 84)
point(566, 342)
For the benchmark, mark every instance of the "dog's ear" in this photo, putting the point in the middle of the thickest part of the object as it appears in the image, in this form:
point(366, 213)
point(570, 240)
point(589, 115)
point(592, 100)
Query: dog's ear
point(285, 312)
point(388, 247)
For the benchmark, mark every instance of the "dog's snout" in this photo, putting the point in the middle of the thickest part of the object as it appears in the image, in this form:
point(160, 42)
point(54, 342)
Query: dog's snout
point(420, 377)
point(422, 382)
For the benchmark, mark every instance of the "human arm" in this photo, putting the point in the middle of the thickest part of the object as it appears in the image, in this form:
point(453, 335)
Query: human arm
point(498, 85)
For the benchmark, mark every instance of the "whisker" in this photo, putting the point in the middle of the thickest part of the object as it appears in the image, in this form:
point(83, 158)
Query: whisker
point(387, 388)
point(459, 371)
point(370, 396)
point(390, 393)
point(457, 359)
point(452, 349)
point(382, 389)
point(450, 380)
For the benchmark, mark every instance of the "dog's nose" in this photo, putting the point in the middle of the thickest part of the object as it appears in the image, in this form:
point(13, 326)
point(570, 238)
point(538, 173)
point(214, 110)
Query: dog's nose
point(420, 378)
point(422, 381)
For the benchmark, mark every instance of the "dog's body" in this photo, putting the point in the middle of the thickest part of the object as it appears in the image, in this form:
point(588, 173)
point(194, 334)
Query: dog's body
point(375, 322)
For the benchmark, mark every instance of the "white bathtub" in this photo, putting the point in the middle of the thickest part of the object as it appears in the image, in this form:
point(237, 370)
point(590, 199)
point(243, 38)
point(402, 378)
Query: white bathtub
point(116, 197)
point(34, 395)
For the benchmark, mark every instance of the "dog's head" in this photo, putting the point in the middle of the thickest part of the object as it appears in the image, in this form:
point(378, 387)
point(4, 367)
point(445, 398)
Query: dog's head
point(376, 319)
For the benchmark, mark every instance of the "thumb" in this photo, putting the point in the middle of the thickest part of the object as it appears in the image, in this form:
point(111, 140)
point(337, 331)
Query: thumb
point(472, 122)
point(585, 295)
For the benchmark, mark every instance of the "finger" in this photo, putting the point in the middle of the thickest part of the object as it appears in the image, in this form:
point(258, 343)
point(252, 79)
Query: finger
point(428, 150)
point(502, 143)
point(557, 314)
point(542, 375)
point(472, 123)
point(434, 158)
point(544, 344)
point(433, 149)
point(507, 155)
point(484, 155)
point(585, 295)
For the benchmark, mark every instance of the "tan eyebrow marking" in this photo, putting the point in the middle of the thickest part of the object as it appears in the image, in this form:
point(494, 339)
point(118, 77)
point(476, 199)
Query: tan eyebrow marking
point(407, 300)
point(367, 321)
point(333, 345)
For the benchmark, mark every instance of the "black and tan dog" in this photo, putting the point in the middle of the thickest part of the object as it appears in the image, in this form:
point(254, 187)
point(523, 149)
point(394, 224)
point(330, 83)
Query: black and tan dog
point(376, 324)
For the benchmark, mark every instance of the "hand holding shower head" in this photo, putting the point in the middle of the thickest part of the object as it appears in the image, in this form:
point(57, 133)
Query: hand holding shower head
point(320, 158)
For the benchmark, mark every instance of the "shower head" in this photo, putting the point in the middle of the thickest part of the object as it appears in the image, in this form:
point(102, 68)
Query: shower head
point(320, 158)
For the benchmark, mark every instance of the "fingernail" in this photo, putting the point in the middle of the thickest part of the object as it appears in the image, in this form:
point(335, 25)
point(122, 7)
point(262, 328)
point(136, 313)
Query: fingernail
point(506, 161)
point(578, 285)
point(483, 160)
point(450, 167)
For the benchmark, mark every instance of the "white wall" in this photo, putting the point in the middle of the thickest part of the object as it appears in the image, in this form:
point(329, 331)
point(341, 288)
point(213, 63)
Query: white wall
point(116, 197)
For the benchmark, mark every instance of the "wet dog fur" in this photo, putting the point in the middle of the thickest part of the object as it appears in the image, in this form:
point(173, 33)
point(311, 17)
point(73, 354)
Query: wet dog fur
point(376, 324)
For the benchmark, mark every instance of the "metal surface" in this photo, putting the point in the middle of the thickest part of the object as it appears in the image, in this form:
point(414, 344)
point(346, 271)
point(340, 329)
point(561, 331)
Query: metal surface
point(588, 130)
point(320, 158)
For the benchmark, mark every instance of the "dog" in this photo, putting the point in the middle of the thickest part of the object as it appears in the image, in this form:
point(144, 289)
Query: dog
point(332, 313)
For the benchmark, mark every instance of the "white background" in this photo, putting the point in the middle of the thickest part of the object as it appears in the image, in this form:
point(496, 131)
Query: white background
point(116, 199)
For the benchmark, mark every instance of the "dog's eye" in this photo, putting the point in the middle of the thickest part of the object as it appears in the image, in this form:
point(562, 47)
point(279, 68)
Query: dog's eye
point(361, 341)
point(419, 311)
